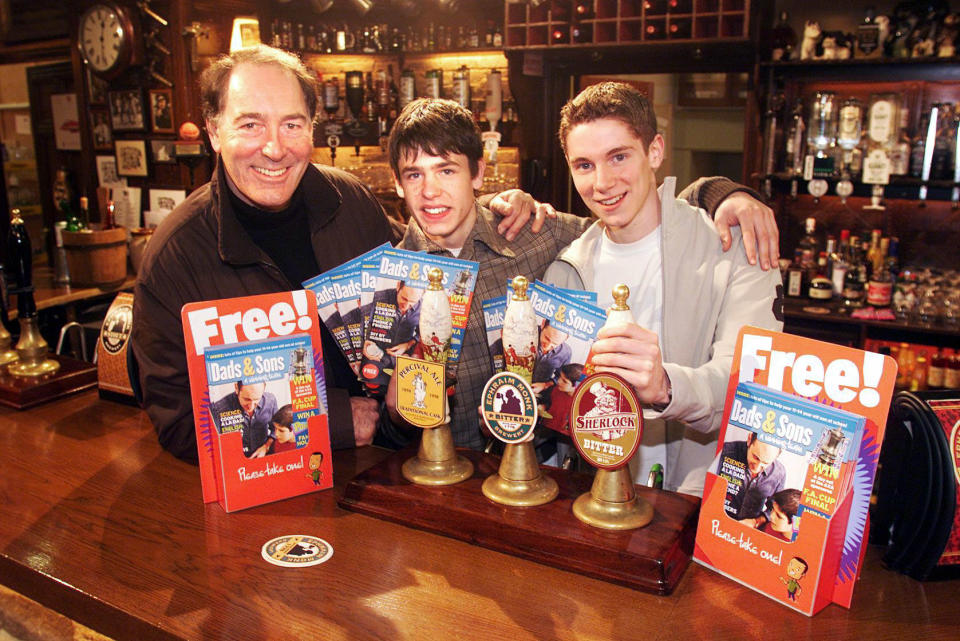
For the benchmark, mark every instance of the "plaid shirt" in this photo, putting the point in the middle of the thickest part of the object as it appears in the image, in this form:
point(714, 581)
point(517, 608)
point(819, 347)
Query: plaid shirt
point(528, 254)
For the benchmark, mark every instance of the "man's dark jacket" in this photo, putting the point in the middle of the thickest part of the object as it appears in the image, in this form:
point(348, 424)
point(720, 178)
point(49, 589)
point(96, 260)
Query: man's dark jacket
point(201, 252)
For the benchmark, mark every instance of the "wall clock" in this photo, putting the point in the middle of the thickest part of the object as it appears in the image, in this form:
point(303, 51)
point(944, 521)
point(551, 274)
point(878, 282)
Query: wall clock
point(105, 36)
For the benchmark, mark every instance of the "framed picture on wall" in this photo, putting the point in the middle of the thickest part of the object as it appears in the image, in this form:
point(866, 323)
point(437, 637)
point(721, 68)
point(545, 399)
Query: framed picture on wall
point(107, 171)
point(97, 89)
point(131, 157)
point(162, 151)
point(100, 129)
point(126, 110)
point(161, 111)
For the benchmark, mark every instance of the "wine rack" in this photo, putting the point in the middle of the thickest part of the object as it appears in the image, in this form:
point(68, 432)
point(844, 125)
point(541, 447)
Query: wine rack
point(580, 23)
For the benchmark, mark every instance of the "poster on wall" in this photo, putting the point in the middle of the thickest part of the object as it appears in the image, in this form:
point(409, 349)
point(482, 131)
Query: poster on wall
point(66, 121)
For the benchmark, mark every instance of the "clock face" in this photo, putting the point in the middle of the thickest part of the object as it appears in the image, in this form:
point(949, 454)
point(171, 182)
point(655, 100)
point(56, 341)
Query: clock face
point(104, 38)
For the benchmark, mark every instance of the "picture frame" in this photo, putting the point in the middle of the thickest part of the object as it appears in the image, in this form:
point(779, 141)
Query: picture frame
point(66, 122)
point(126, 110)
point(161, 111)
point(131, 157)
point(100, 131)
point(162, 152)
point(107, 171)
point(166, 199)
point(97, 89)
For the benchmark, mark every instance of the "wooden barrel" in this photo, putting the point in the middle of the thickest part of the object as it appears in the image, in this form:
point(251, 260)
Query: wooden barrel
point(96, 258)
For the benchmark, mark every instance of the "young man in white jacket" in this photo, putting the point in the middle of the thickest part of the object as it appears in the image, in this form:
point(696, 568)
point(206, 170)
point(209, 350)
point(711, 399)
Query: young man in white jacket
point(688, 296)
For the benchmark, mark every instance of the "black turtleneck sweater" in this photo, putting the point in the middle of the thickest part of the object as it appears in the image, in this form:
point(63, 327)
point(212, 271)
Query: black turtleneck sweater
point(283, 235)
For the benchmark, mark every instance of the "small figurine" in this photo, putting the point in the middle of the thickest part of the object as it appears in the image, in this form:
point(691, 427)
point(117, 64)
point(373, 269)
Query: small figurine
point(829, 44)
point(811, 37)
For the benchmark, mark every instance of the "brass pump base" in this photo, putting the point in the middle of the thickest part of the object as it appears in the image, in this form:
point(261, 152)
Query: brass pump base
point(519, 482)
point(612, 503)
point(32, 350)
point(7, 355)
point(437, 462)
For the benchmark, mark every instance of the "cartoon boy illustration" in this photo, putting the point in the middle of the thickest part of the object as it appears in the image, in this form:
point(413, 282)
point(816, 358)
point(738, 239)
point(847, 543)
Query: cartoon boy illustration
point(796, 569)
point(314, 464)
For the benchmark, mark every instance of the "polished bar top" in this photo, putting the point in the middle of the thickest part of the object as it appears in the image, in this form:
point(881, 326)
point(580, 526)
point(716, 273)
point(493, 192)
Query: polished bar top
point(100, 524)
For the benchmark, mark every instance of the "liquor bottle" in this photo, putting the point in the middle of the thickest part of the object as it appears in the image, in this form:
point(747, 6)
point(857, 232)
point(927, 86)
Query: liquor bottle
point(852, 285)
point(880, 288)
point(497, 36)
point(900, 151)
point(849, 129)
point(794, 144)
point(951, 375)
point(919, 146)
point(874, 259)
point(918, 378)
point(822, 132)
point(473, 37)
point(945, 146)
point(73, 223)
point(84, 212)
point(434, 88)
point(939, 363)
point(331, 96)
point(408, 88)
point(493, 102)
point(520, 331)
point(809, 240)
point(370, 95)
point(461, 86)
point(783, 38)
point(820, 287)
point(838, 262)
point(795, 275)
point(394, 95)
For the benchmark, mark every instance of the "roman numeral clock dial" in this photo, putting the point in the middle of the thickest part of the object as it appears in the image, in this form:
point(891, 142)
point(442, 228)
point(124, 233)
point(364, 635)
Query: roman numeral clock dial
point(105, 38)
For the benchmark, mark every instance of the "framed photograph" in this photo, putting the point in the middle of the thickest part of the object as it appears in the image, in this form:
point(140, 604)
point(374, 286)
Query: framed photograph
point(126, 110)
point(97, 89)
point(166, 199)
point(100, 129)
point(107, 171)
point(161, 151)
point(131, 157)
point(161, 111)
point(66, 121)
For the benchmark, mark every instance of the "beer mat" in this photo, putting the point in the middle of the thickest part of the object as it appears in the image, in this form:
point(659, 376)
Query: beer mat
point(651, 559)
point(296, 551)
point(22, 392)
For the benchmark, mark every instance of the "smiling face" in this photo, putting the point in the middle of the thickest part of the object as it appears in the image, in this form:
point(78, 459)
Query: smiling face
point(264, 134)
point(439, 191)
point(613, 172)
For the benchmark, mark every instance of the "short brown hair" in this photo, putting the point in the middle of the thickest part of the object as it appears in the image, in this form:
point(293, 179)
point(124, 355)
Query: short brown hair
point(789, 502)
point(610, 100)
point(438, 127)
point(214, 79)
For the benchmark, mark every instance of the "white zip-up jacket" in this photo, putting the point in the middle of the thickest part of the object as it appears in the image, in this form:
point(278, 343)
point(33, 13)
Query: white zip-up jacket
point(708, 295)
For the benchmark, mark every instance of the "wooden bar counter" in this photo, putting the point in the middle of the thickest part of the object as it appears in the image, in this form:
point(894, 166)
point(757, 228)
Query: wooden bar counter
point(100, 524)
